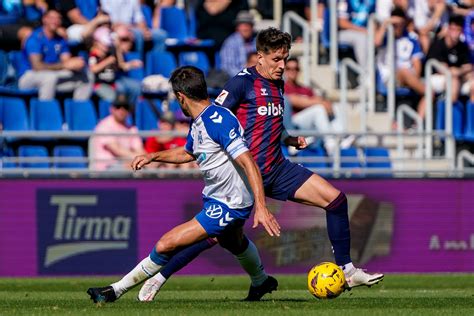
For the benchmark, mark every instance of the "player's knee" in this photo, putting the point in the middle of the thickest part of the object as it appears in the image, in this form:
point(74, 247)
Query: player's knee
point(235, 247)
point(339, 203)
point(165, 245)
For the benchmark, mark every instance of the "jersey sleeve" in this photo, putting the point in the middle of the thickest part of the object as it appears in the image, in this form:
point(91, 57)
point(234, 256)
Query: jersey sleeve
point(189, 143)
point(224, 128)
point(233, 93)
point(32, 45)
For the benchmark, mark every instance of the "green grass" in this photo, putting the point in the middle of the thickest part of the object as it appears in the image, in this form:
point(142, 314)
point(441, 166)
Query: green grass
point(447, 294)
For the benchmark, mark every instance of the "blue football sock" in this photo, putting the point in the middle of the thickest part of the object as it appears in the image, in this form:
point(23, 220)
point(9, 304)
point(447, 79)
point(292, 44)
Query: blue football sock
point(338, 229)
point(159, 258)
point(185, 256)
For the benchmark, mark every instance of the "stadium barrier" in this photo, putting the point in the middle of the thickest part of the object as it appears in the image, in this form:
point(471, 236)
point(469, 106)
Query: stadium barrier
point(84, 227)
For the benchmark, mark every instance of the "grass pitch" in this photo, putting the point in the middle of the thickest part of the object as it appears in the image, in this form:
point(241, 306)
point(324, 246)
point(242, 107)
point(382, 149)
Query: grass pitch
point(221, 295)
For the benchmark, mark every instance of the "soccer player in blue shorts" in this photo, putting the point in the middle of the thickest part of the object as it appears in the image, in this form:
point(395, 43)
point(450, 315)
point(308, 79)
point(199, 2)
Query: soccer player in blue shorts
point(215, 141)
point(255, 95)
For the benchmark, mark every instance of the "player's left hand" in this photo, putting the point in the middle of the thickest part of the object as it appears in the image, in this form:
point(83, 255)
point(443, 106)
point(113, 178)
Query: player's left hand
point(301, 143)
point(264, 217)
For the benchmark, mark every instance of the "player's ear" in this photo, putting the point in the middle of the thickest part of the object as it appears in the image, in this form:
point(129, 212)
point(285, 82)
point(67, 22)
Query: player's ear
point(259, 58)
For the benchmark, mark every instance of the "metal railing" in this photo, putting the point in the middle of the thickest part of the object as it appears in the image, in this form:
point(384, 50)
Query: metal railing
point(464, 156)
point(401, 112)
point(347, 64)
point(334, 166)
point(333, 38)
point(450, 144)
point(292, 17)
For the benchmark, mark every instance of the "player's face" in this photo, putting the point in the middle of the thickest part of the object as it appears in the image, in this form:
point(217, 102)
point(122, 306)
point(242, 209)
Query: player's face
point(272, 65)
point(182, 103)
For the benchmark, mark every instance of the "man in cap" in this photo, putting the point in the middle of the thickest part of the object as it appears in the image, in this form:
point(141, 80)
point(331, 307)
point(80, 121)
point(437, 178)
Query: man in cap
point(238, 45)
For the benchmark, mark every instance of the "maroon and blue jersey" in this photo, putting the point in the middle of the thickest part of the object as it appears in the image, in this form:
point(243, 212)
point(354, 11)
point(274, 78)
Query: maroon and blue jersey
point(258, 104)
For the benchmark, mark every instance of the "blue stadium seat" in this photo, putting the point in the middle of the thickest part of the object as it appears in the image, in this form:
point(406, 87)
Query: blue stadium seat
point(80, 115)
point(350, 158)
point(197, 59)
point(17, 60)
point(3, 67)
point(173, 21)
point(88, 8)
point(14, 114)
point(458, 115)
point(68, 152)
point(136, 73)
point(8, 153)
point(469, 132)
point(148, 15)
point(45, 115)
point(316, 152)
point(380, 153)
point(145, 117)
point(104, 108)
point(160, 63)
point(33, 151)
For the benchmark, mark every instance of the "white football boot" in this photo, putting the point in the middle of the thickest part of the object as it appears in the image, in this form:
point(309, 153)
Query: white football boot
point(149, 289)
point(358, 277)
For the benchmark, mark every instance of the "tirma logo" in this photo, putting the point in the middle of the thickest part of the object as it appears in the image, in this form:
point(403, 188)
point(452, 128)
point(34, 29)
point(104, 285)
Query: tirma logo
point(86, 231)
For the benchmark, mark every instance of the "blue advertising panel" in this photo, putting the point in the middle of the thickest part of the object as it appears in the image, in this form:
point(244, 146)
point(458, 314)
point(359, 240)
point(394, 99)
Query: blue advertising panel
point(84, 231)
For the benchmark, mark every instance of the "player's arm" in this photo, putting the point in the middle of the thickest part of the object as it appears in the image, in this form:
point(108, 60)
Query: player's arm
point(176, 155)
point(262, 215)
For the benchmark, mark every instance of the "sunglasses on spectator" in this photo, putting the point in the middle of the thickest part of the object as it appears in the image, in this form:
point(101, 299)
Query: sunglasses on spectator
point(125, 39)
point(293, 68)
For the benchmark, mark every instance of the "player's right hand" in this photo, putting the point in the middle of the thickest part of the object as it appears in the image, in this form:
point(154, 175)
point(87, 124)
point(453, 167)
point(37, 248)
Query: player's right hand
point(141, 161)
point(263, 216)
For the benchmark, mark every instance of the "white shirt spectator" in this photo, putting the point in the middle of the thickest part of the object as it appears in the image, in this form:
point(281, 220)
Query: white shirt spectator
point(123, 11)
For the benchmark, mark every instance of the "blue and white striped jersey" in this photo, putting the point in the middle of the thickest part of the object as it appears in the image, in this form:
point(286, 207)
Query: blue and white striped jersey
point(215, 138)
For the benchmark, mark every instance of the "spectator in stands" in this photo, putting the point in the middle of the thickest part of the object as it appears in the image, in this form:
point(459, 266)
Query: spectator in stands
point(128, 12)
point(113, 152)
point(312, 111)
point(408, 56)
point(383, 8)
point(13, 35)
point(353, 17)
point(166, 123)
point(156, 13)
point(51, 66)
point(237, 46)
point(215, 19)
point(469, 32)
point(453, 52)
point(430, 16)
point(78, 26)
point(107, 63)
point(252, 59)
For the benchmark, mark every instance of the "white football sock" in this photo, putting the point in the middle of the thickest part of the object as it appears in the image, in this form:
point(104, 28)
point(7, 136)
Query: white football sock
point(159, 280)
point(347, 268)
point(250, 261)
point(144, 270)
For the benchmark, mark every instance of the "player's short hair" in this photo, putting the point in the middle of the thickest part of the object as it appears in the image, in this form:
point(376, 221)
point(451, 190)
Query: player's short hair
point(272, 39)
point(190, 81)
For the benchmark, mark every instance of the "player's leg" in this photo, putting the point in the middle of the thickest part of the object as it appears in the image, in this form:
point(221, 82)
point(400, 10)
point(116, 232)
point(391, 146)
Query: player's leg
point(318, 192)
point(180, 236)
point(179, 260)
point(248, 257)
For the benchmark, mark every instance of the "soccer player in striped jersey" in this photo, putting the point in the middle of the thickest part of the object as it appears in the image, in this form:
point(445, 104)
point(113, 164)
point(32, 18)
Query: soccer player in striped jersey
point(255, 95)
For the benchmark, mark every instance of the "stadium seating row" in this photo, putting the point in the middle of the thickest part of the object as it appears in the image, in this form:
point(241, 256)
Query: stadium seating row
point(74, 116)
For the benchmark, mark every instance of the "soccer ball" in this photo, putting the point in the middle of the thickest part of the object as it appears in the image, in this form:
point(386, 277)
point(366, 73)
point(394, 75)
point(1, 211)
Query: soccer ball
point(326, 280)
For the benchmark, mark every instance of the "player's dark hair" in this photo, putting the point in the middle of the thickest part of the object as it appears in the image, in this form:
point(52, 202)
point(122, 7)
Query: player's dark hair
point(456, 19)
point(190, 81)
point(272, 39)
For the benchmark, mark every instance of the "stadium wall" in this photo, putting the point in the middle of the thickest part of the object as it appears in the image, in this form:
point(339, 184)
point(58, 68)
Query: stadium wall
point(89, 227)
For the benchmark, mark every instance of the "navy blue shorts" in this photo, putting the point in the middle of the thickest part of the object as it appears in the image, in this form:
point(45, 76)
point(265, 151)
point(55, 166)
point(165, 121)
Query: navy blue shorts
point(216, 217)
point(284, 180)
